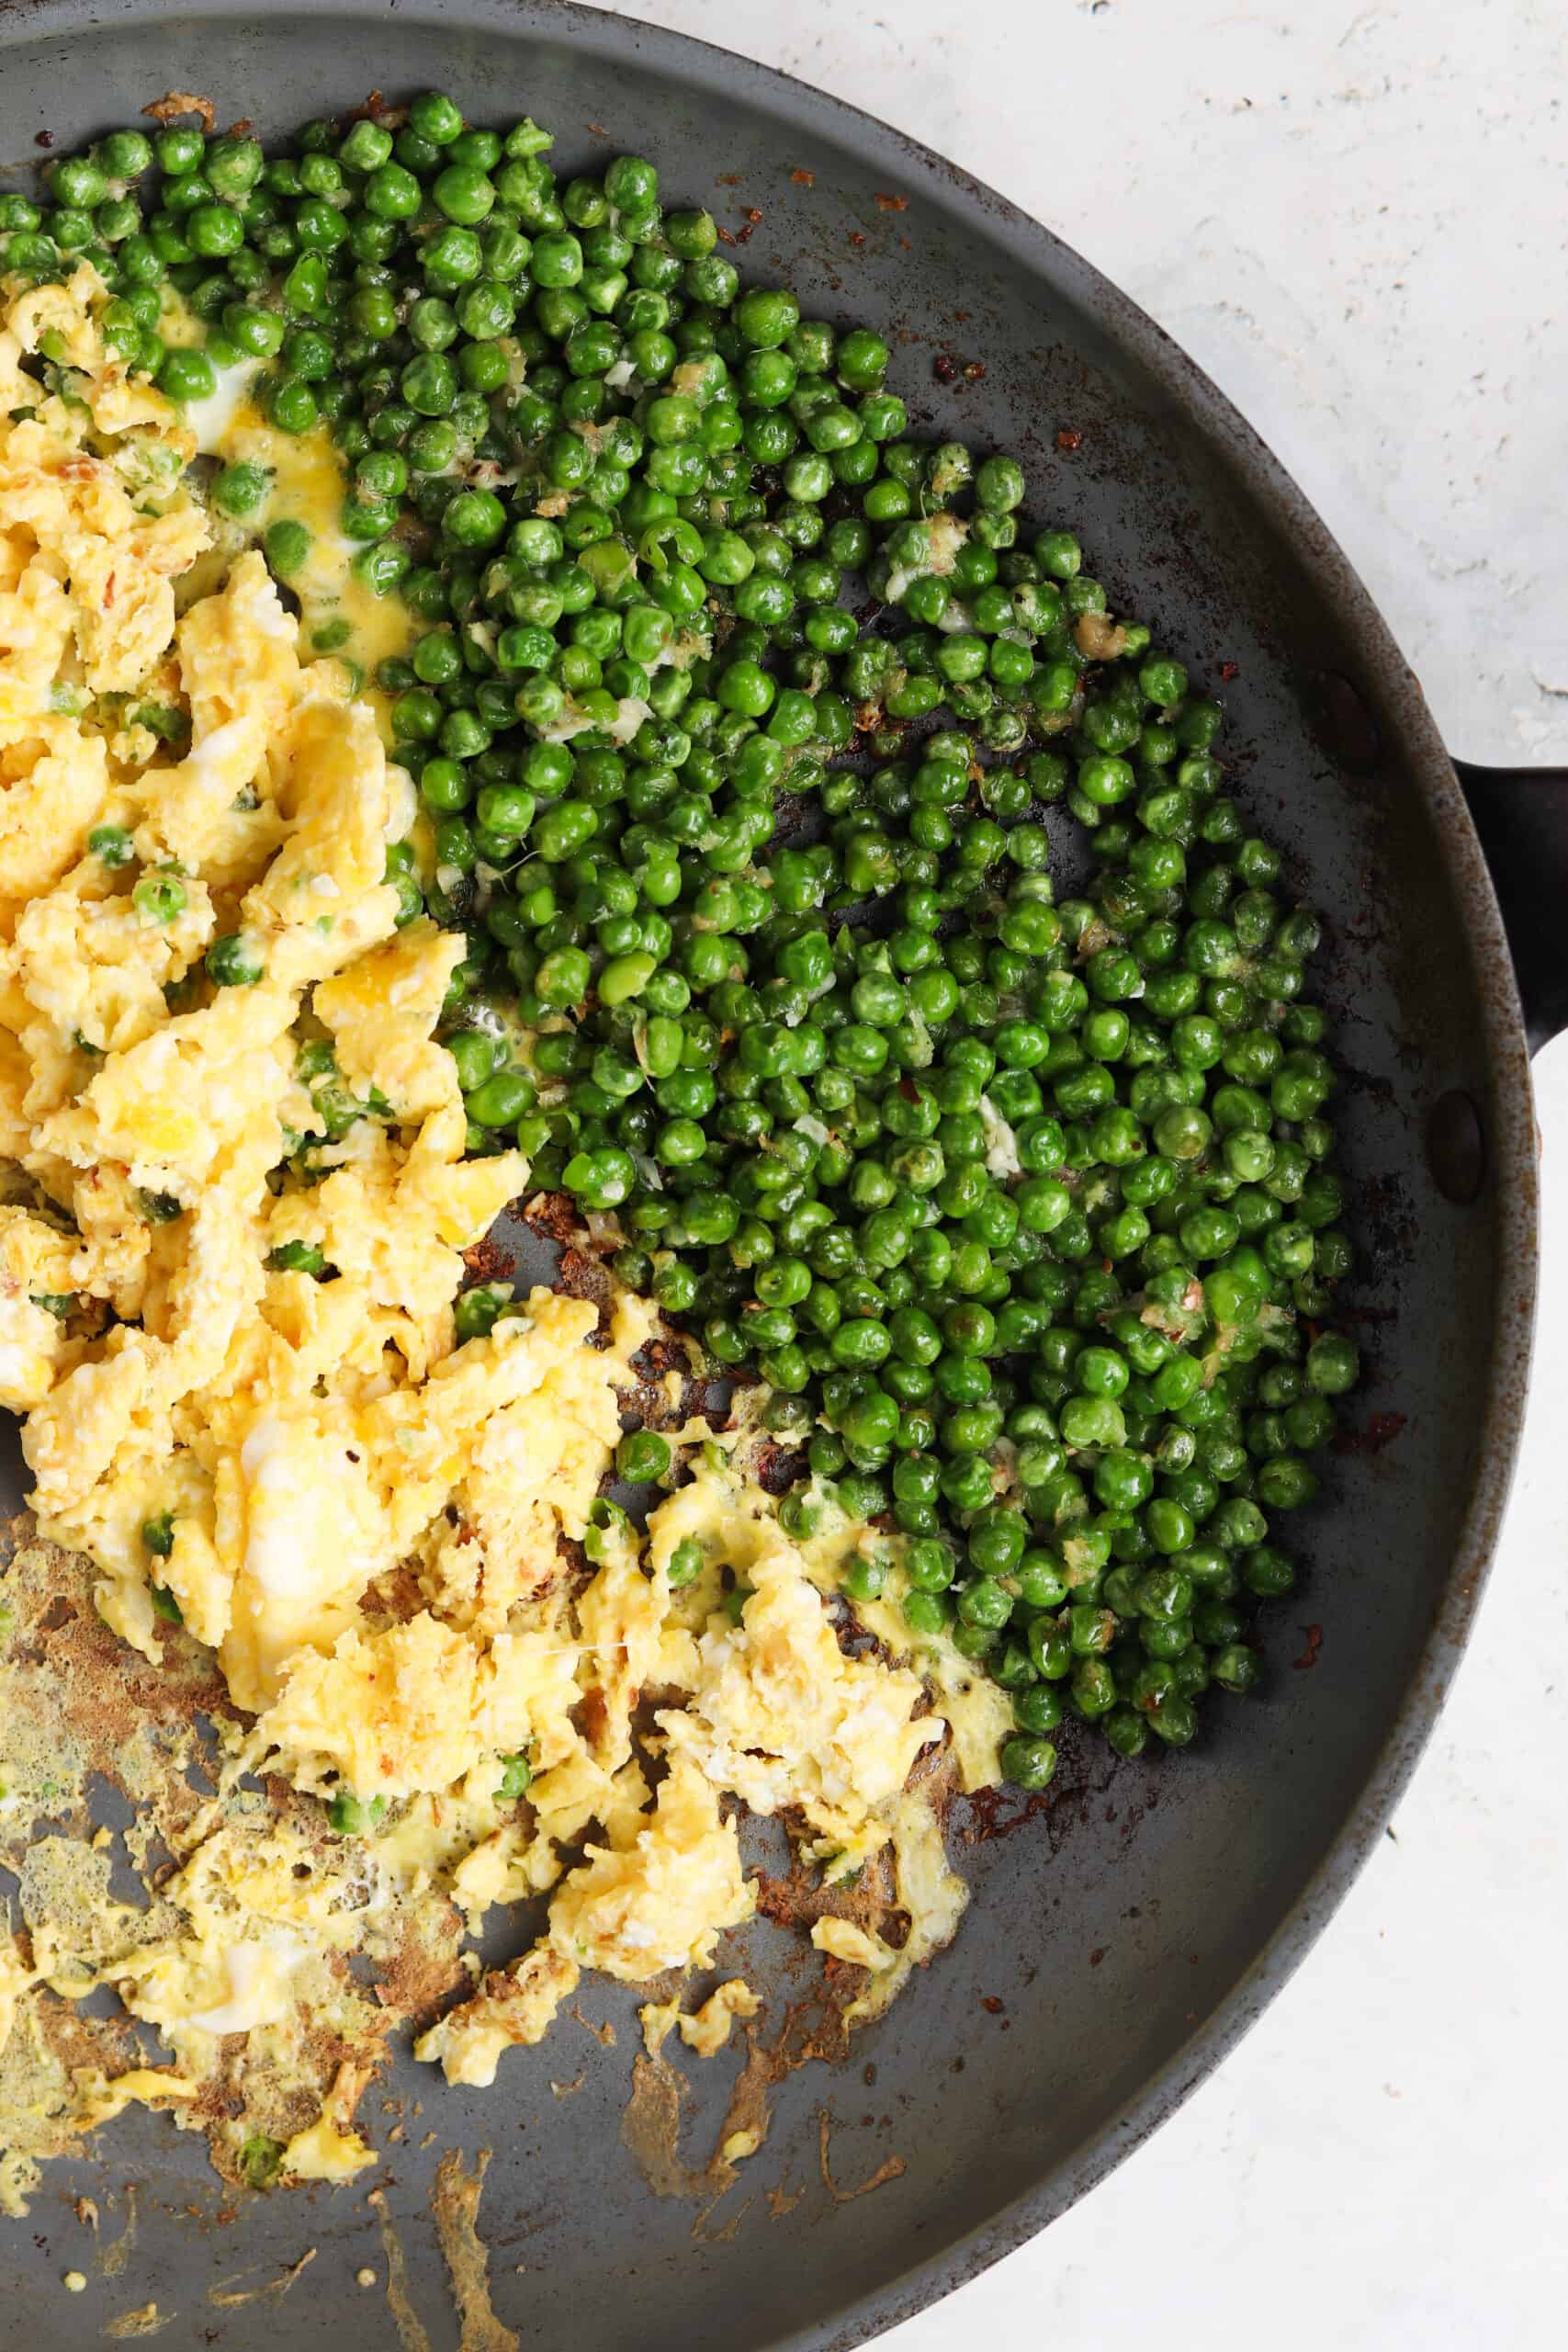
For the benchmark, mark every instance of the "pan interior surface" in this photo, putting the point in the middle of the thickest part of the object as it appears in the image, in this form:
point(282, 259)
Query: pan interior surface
point(1121, 1937)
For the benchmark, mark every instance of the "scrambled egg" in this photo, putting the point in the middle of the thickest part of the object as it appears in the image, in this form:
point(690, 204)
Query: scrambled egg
point(295, 1436)
point(370, 1526)
point(777, 1712)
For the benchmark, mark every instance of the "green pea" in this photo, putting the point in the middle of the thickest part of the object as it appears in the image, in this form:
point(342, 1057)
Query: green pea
point(241, 490)
point(643, 1458)
point(765, 317)
point(392, 193)
point(125, 156)
point(429, 384)
point(234, 961)
point(502, 1100)
point(478, 1309)
point(997, 1542)
point(1333, 1364)
point(187, 375)
point(77, 182)
point(348, 1816)
point(686, 1563)
point(286, 546)
point(112, 844)
point(1029, 1762)
point(865, 1579)
point(601, 1178)
point(291, 405)
point(158, 899)
point(1236, 1668)
point(158, 1534)
point(516, 1771)
point(297, 1258)
point(985, 1603)
point(464, 194)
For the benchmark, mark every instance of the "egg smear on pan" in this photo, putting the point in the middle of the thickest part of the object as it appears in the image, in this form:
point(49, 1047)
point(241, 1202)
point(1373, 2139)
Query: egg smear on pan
point(357, 1632)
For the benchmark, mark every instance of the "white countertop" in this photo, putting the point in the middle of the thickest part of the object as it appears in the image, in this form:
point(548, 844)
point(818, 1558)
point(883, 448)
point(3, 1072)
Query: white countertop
point(1355, 217)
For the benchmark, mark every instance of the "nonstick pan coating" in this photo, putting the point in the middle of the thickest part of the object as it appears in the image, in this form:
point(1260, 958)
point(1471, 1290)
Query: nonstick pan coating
point(1122, 1938)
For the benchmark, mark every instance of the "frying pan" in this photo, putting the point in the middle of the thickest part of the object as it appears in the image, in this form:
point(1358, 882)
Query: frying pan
point(1123, 1938)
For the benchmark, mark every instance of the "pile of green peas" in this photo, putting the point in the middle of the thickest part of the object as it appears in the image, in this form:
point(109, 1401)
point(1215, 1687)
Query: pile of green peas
point(1022, 1208)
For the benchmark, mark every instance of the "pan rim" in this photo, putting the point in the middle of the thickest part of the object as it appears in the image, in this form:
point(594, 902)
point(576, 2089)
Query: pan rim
point(1509, 1120)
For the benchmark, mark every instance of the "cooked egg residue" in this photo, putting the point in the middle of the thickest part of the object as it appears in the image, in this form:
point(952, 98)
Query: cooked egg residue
point(234, 1205)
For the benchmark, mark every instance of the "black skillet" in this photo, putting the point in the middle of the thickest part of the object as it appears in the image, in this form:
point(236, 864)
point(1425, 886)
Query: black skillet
point(1127, 1938)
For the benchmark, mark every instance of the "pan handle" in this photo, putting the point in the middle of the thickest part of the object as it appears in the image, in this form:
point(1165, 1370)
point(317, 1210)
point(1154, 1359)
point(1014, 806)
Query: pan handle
point(1521, 815)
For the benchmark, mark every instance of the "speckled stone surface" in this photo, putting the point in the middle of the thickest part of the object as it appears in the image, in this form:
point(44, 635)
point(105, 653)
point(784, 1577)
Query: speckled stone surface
point(1356, 218)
